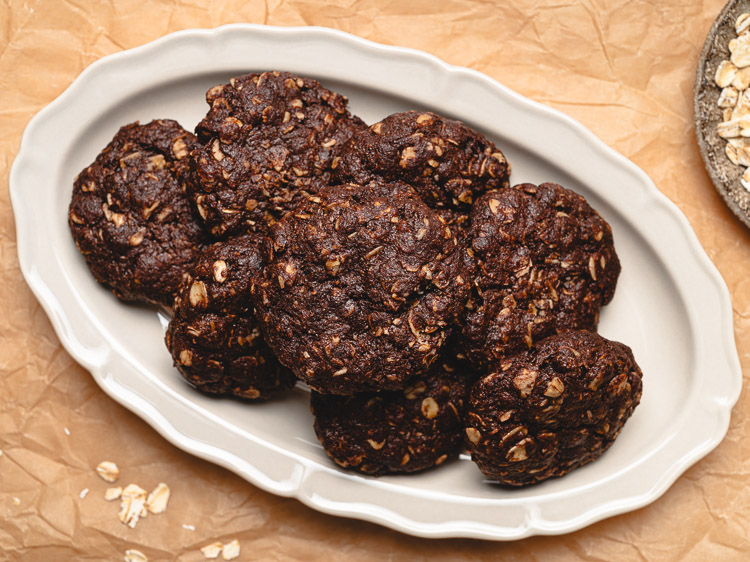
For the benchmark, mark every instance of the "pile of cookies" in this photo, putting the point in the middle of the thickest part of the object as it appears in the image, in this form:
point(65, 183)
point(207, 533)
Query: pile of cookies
point(429, 305)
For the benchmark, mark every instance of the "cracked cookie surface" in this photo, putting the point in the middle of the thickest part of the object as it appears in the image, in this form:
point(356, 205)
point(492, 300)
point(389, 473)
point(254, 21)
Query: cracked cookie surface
point(446, 162)
point(363, 288)
point(543, 261)
point(269, 139)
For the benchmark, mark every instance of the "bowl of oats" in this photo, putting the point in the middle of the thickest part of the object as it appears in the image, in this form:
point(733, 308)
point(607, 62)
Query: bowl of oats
point(722, 106)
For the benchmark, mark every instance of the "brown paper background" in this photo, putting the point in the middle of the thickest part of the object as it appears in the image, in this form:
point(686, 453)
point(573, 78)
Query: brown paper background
point(623, 68)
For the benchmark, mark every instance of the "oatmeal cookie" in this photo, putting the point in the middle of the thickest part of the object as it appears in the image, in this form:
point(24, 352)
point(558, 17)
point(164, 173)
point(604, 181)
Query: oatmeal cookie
point(129, 214)
point(363, 288)
point(394, 431)
point(543, 261)
point(551, 409)
point(446, 162)
point(269, 138)
point(213, 336)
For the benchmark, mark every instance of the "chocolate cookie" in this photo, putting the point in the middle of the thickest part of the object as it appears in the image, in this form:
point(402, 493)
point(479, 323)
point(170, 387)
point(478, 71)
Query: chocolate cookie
point(363, 288)
point(269, 138)
point(543, 261)
point(395, 431)
point(552, 409)
point(213, 336)
point(446, 162)
point(129, 214)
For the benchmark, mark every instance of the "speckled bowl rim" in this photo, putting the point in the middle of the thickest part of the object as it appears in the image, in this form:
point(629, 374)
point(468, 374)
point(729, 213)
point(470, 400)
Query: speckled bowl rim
point(714, 158)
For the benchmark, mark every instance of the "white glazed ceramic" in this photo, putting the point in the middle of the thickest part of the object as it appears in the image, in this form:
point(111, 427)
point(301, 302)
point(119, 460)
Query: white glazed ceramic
point(671, 305)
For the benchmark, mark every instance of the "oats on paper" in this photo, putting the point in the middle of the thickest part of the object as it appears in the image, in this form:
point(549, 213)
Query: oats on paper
point(111, 494)
point(108, 471)
point(157, 500)
point(231, 550)
point(133, 555)
point(212, 550)
point(132, 505)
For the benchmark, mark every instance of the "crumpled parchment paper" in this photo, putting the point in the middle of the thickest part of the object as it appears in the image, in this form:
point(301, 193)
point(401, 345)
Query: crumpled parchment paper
point(624, 69)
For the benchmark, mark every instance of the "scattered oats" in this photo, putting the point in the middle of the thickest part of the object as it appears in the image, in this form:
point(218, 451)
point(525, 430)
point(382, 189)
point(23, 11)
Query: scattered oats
point(135, 556)
point(1, 452)
point(212, 550)
point(132, 505)
point(84, 493)
point(111, 494)
point(16, 501)
point(108, 471)
point(231, 550)
point(66, 430)
point(157, 500)
point(188, 527)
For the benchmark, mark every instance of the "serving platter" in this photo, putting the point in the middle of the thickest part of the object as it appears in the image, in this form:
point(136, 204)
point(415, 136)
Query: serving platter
point(671, 307)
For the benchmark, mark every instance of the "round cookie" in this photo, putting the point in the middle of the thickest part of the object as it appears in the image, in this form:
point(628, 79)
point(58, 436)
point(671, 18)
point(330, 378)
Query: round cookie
point(129, 214)
point(362, 291)
point(543, 261)
point(213, 336)
point(269, 138)
point(396, 431)
point(552, 409)
point(445, 161)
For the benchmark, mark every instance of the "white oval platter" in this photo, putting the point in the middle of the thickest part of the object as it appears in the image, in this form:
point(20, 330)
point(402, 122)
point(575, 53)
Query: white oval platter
point(671, 306)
